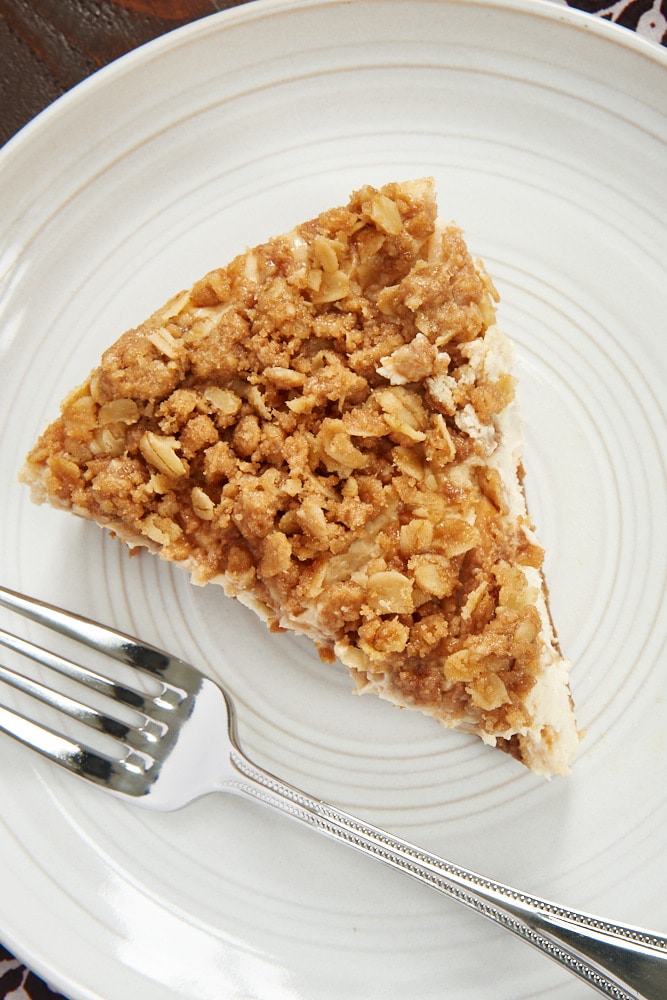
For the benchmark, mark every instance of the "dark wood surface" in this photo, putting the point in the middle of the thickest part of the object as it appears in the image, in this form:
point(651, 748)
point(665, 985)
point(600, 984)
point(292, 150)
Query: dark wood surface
point(48, 46)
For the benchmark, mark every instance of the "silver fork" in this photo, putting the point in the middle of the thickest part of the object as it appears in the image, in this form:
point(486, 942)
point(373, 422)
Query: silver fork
point(165, 760)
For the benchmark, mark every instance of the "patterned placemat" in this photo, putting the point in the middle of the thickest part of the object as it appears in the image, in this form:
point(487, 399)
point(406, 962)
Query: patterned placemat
point(647, 17)
point(19, 983)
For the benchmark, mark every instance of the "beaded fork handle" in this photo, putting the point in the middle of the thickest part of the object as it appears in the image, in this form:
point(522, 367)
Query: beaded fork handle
point(619, 961)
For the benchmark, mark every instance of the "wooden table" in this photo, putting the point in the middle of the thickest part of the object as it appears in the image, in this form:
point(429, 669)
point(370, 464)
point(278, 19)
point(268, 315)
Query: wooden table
point(48, 46)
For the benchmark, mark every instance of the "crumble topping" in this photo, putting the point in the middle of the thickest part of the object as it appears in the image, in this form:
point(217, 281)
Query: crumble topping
point(316, 426)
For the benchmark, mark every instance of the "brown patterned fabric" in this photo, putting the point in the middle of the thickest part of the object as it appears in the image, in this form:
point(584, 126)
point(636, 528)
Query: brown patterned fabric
point(18, 983)
point(649, 19)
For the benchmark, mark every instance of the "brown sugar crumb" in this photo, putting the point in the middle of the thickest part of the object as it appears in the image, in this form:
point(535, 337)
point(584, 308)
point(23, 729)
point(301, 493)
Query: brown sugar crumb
point(320, 425)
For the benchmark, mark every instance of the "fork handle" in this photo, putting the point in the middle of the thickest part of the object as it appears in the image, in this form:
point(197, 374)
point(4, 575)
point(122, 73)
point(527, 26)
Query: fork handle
point(619, 961)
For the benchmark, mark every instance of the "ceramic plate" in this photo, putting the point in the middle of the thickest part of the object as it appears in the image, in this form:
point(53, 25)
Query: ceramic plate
point(546, 133)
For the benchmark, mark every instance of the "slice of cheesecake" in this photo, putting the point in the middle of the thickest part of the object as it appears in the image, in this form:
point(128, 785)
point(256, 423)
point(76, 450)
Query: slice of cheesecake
point(327, 427)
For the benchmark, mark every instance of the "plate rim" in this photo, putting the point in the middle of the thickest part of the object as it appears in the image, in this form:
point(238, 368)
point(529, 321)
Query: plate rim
point(253, 10)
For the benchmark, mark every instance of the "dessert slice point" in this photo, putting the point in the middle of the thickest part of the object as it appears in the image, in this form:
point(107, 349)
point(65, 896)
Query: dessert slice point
point(327, 426)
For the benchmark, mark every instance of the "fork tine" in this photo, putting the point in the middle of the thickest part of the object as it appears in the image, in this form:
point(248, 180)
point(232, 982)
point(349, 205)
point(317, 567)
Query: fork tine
point(168, 698)
point(179, 677)
point(124, 648)
point(127, 774)
point(144, 730)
